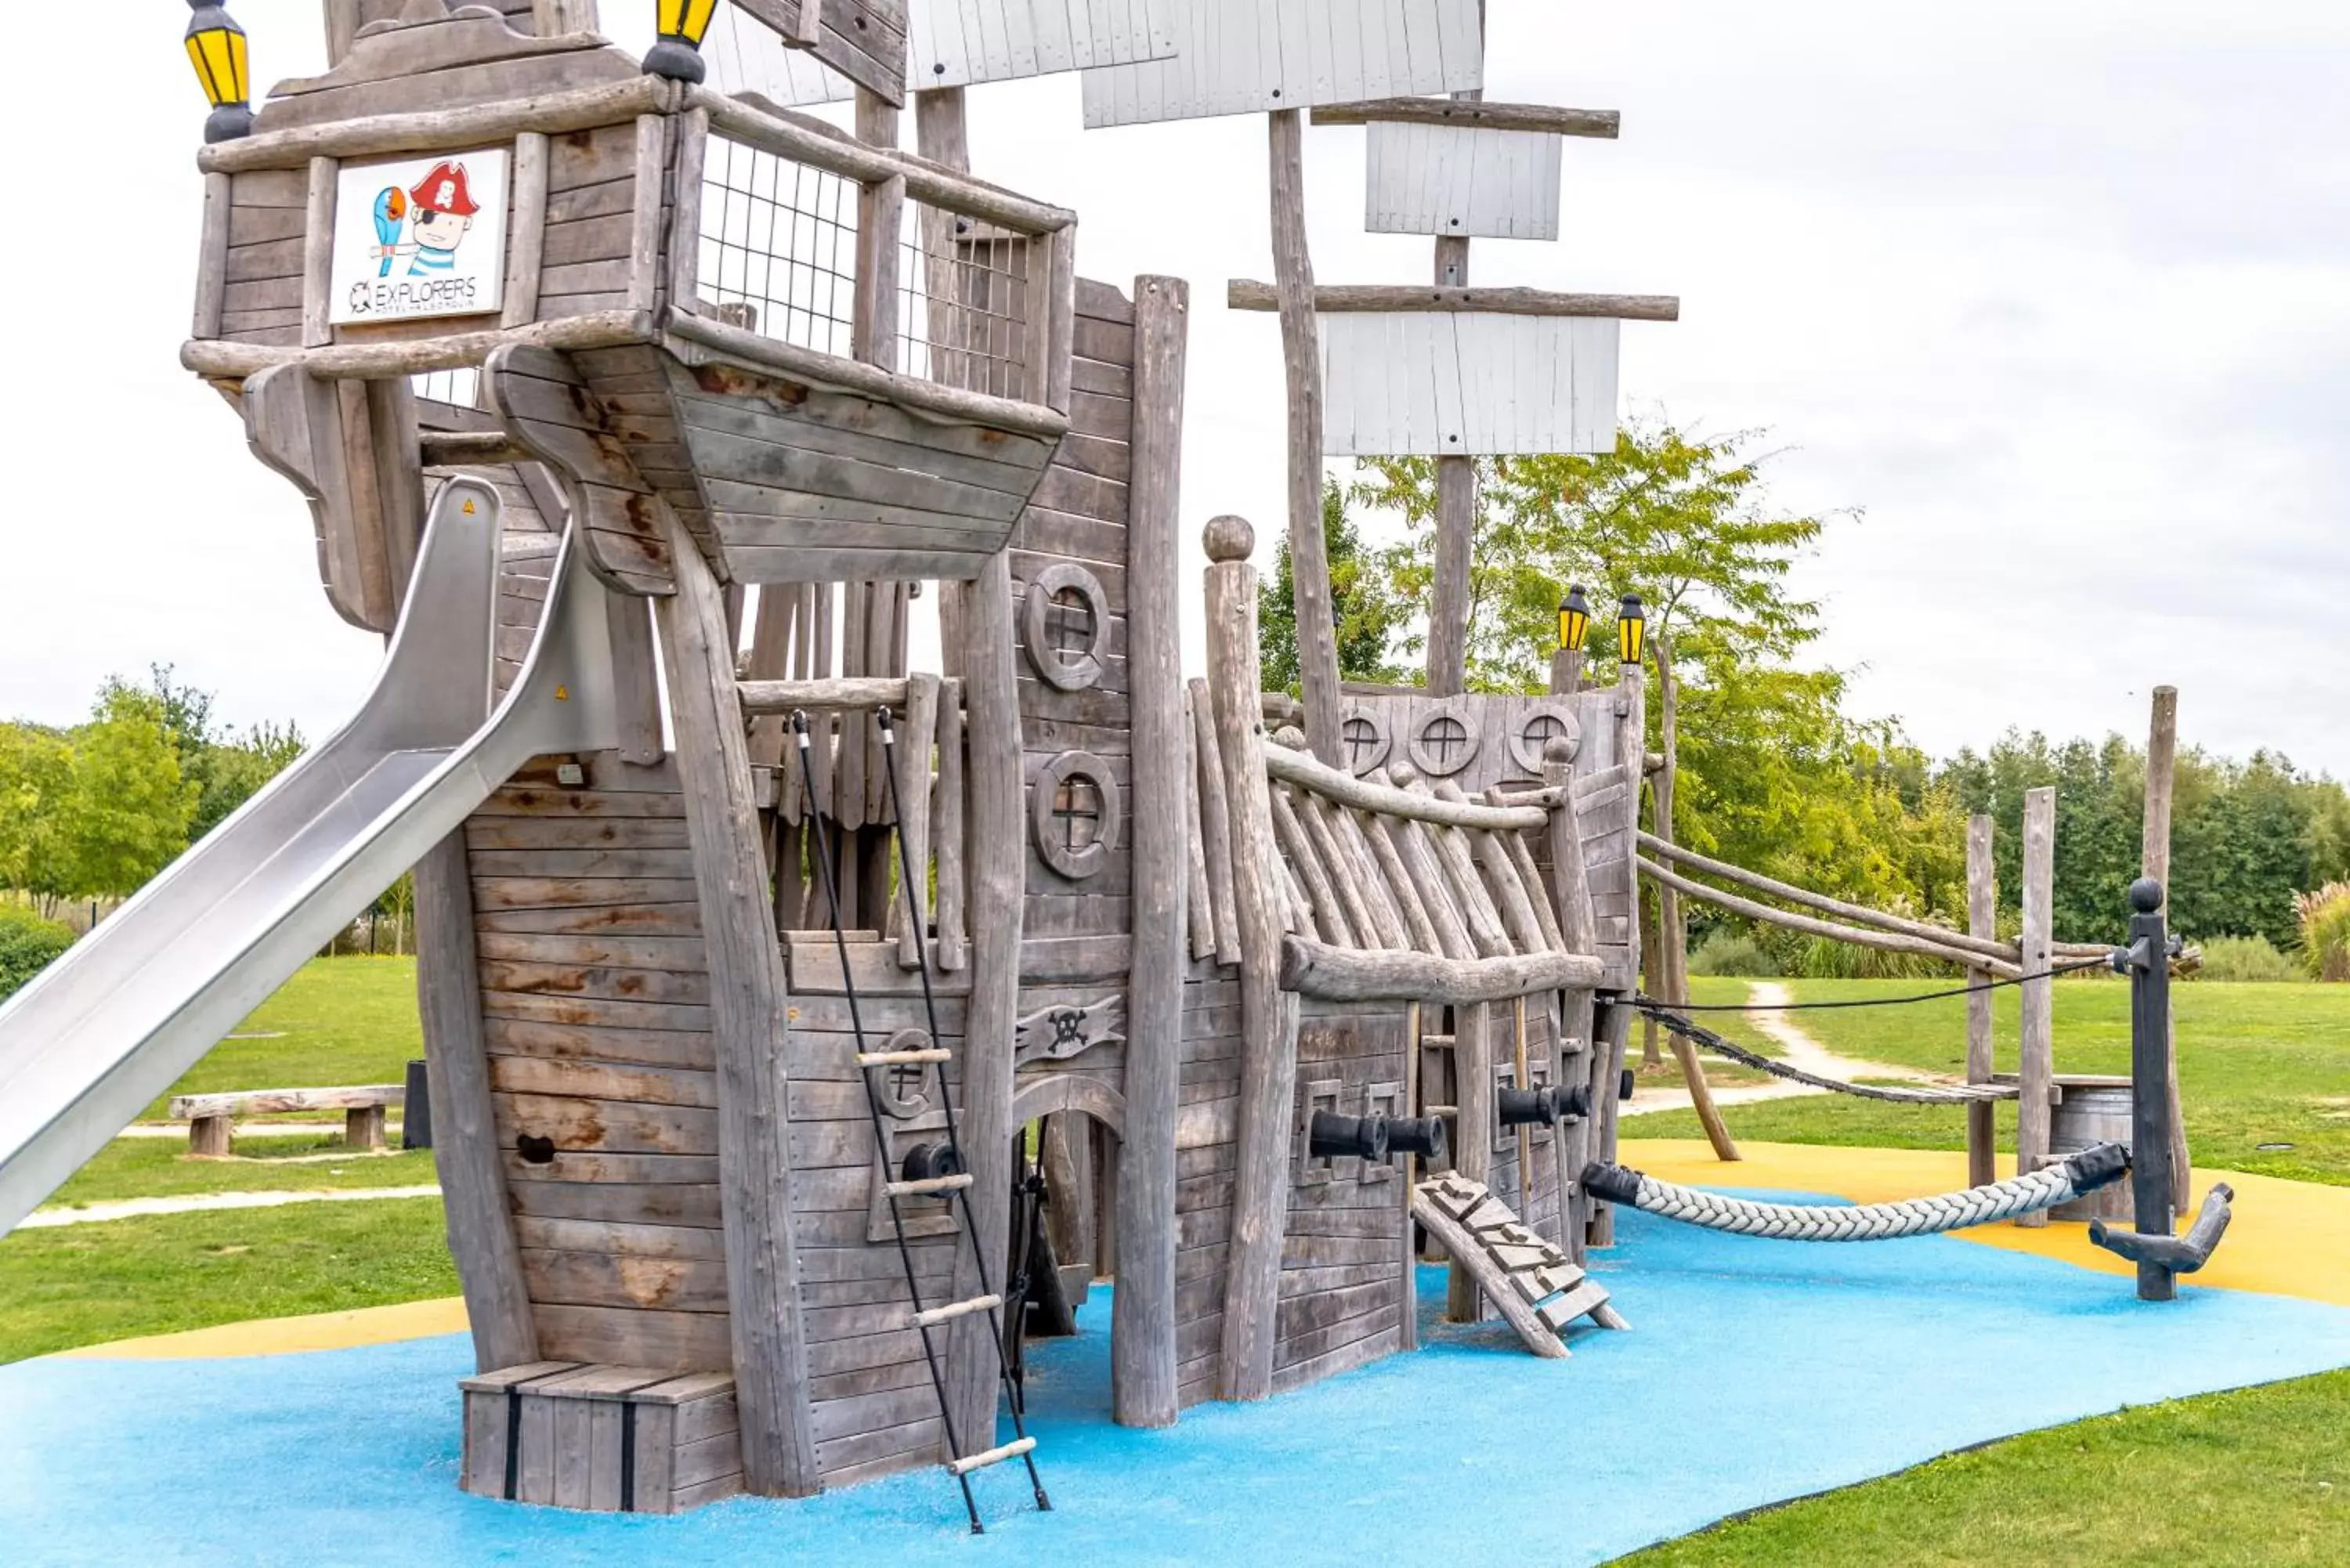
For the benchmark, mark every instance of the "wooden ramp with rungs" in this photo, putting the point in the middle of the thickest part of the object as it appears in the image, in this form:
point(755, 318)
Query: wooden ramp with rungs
point(1538, 1289)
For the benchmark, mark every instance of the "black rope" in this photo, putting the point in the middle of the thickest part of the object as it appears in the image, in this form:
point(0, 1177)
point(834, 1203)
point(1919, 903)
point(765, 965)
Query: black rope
point(1924, 1094)
point(1651, 1004)
point(921, 929)
point(873, 1104)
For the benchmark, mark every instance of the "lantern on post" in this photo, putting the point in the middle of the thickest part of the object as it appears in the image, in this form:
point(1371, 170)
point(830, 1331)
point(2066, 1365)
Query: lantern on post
point(682, 24)
point(1632, 629)
point(1574, 620)
point(217, 48)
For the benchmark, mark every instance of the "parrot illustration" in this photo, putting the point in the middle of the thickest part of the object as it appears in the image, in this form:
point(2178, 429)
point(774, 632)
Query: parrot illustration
point(391, 217)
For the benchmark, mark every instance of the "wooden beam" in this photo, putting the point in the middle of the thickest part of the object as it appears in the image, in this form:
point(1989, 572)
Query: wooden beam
point(442, 129)
point(769, 699)
point(1142, 1334)
point(211, 258)
point(1385, 800)
point(1246, 294)
point(748, 1031)
point(465, 1152)
point(1475, 114)
point(1301, 354)
point(526, 249)
point(1858, 914)
point(1268, 1019)
point(2161, 780)
point(1329, 974)
point(1856, 936)
point(1982, 921)
point(382, 361)
point(318, 256)
point(2037, 1027)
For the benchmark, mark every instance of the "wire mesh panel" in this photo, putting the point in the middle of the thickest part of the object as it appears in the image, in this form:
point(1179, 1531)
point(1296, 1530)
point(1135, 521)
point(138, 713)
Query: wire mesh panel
point(779, 247)
point(965, 292)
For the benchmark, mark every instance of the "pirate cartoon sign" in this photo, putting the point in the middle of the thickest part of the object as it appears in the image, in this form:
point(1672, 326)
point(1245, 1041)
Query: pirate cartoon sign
point(421, 238)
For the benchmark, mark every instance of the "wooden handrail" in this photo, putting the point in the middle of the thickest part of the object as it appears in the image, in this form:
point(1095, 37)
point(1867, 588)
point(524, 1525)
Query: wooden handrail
point(1246, 294)
point(1363, 795)
point(1329, 974)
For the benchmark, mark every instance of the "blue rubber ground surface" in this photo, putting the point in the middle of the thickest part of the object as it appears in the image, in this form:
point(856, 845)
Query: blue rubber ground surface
point(1757, 1371)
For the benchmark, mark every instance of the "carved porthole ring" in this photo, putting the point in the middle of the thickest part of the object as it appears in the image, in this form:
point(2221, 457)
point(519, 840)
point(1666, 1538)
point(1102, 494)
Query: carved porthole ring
point(1444, 740)
point(1533, 730)
point(1363, 740)
point(1075, 812)
point(1066, 624)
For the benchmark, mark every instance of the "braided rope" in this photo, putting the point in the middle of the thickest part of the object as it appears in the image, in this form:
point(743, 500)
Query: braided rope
point(2042, 1189)
point(1935, 1095)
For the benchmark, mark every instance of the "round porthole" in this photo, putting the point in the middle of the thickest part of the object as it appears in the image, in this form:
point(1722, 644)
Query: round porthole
point(1076, 815)
point(905, 1090)
point(1444, 741)
point(1065, 623)
point(1535, 731)
point(1363, 741)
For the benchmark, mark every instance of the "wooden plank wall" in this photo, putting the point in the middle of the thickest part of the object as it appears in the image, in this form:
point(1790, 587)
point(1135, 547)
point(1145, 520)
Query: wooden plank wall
point(592, 184)
point(1253, 56)
point(875, 1409)
point(1206, 1152)
point(260, 301)
point(1455, 384)
point(596, 998)
point(1462, 181)
point(1340, 1290)
point(1077, 932)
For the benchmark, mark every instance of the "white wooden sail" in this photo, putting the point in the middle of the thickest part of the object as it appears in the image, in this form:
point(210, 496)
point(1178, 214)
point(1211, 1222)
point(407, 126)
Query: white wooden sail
point(1465, 384)
point(1464, 181)
point(963, 42)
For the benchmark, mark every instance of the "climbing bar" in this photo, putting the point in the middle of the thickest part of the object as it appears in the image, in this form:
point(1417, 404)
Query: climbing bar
point(931, 1186)
point(1935, 1094)
point(954, 1310)
point(902, 1058)
point(1857, 913)
point(1856, 936)
point(2042, 1189)
point(1012, 1450)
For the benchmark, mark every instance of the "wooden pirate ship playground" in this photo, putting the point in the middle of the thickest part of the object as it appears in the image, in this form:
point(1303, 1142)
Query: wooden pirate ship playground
point(806, 1029)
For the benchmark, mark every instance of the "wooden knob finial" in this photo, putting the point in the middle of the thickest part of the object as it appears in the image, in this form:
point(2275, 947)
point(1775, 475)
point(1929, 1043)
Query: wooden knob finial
point(1229, 539)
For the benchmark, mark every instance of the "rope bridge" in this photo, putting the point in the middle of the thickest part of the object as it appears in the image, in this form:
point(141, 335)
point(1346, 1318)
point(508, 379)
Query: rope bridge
point(2029, 1194)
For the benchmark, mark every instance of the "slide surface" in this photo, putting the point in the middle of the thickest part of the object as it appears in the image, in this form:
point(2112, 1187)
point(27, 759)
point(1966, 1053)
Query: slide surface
point(115, 1021)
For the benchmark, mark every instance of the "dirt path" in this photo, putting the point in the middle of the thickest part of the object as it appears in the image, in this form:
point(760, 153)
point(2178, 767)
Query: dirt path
point(1797, 1048)
point(201, 1202)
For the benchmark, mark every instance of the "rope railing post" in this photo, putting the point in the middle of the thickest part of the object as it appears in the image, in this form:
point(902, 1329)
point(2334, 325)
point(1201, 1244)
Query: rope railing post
point(2153, 1189)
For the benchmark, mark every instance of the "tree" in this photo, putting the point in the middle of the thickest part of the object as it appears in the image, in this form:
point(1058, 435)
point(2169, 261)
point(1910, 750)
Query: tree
point(1370, 611)
point(128, 814)
point(36, 788)
point(1681, 520)
point(227, 769)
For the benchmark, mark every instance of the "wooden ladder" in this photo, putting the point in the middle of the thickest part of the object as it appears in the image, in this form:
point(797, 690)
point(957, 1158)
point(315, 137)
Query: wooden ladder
point(932, 1170)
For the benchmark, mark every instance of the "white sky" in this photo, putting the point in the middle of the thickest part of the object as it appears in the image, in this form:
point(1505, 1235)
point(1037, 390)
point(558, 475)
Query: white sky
point(2058, 295)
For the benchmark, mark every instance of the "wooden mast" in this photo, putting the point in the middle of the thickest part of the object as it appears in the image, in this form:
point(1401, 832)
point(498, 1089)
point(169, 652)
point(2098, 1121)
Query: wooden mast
point(1300, 356)
point(1456, 499)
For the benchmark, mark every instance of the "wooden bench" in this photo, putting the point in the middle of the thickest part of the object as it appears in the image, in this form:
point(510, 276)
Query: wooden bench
point(209, 1117)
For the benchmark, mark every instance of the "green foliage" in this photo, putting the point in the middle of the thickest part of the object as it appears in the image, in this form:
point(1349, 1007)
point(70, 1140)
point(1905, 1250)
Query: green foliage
point(1370, 612)
point(37, 786)
point(2243, 959)
point(1734, 954)
point(27, 943)
point(2326, 931)
point(2245, 837)
point(227, 768)
point(1681, 520)
point(130, 806)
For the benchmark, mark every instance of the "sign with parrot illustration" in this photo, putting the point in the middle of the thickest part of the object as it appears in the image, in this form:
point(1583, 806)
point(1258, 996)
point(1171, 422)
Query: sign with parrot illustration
point(420, 238)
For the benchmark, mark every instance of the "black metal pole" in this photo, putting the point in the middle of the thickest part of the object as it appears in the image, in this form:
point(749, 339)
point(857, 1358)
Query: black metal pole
point(2153, 1184)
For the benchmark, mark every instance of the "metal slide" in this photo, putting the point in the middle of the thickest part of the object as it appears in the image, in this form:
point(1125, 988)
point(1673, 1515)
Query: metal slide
point(117, 1020)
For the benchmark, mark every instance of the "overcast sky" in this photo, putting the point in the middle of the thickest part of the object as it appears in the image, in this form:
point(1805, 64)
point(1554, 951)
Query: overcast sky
point(2056, 298)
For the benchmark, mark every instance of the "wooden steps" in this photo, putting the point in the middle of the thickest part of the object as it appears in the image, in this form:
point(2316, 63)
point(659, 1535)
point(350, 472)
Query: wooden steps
point(1537, 1286)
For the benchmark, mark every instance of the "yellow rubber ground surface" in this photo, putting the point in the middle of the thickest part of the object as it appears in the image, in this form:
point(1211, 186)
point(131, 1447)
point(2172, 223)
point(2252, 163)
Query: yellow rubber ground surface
point(2288, 1237)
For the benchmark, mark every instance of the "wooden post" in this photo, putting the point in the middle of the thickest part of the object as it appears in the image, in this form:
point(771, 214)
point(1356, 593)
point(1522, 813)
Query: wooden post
point(1613, 1023)
point(998, 841)
point(465, 1150)
point(1472, 1135)
point(1672, 935)
point(1578, 928)
point(1407, 1283)
point(2154, 1199)
point(747, 998)
point(2038, 1034)
point(527, 252)
point(1456, 508)
point(2161, 779)
point(1301, 353)
point(1269, 1038)
point(1142, 1333)
point(1982, 921)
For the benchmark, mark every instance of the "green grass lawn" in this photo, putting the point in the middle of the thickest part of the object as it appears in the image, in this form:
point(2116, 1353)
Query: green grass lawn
point(338, 1022)
point(2257, 1065)
point(85, 1285)
point(160, 1168)
point(2257, 1477)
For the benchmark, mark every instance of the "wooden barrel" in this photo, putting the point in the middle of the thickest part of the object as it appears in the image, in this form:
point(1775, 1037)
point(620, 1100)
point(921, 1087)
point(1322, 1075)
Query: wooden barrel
point(2090, 1111)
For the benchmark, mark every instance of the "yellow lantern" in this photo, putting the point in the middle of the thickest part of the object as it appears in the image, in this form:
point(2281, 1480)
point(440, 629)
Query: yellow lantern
point(1573, 621)
point(683, 25)
point(1632, 629)
point(217, 48)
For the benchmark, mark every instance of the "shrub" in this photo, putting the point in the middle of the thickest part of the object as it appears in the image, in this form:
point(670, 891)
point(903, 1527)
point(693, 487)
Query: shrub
point(27, 943)
point(2236, 960)
point(2325, 930)
point(1732, 953)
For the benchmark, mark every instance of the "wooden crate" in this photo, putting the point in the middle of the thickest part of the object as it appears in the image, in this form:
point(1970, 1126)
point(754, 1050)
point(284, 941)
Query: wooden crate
point(608, 1440)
